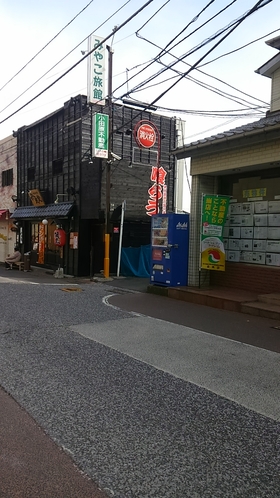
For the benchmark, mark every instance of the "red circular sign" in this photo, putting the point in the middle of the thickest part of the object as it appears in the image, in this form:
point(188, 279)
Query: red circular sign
point(146, 136)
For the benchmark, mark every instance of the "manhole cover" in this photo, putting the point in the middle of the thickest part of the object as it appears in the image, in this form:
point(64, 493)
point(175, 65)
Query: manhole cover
point(71, 289)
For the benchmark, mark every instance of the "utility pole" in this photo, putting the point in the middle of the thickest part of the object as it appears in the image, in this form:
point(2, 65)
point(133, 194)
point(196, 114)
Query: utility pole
point(108, 164)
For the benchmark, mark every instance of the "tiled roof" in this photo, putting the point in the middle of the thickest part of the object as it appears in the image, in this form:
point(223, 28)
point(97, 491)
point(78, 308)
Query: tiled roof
point(261, 124)
point(60, 210)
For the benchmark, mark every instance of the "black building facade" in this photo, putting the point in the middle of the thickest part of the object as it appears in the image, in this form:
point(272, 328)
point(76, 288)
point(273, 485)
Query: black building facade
point(55, 161)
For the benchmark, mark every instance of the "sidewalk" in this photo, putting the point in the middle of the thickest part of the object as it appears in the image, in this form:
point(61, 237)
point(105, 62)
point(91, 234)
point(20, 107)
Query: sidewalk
point(32, 466)
point(43, 276)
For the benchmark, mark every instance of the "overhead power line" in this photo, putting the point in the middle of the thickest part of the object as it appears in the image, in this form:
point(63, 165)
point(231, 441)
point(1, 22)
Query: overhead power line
point(205, 85)
point(152, 61)
point(207, 74)
point(257, 6)
point(205, 42)
point(239, 48)
point(45, 46)
point(63, 58)
point(233, 24)
point(81, 60)
point(187, 26)
point(223, 94)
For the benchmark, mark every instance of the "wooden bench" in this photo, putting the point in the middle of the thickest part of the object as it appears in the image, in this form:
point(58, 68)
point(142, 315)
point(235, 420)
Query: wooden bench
point(20, 265)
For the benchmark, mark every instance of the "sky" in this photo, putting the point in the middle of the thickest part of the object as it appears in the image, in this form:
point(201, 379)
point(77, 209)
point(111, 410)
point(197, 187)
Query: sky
point(27, 27)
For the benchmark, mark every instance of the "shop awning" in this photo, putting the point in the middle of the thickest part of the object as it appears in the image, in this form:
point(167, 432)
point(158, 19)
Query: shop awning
point(3, 213)
point(60, 210)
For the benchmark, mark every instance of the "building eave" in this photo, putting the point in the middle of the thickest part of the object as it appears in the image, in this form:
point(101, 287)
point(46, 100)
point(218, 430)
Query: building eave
point(269, 67)
point(61, 210)
point(274, 42)
point(265, 128)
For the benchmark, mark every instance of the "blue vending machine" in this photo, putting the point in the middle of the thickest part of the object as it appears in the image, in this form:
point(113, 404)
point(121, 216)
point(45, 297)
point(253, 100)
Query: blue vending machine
point(169, 249)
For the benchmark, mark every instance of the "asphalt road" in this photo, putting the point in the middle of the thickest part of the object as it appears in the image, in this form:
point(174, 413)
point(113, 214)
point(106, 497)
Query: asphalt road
point(116, 391)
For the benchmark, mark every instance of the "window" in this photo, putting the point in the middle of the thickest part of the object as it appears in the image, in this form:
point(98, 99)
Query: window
point(57, 166)
point(31, 174)
point(7, 177)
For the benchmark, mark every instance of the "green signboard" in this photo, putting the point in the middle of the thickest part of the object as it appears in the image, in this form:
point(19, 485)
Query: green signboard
point(214, 214)
point(100, 135)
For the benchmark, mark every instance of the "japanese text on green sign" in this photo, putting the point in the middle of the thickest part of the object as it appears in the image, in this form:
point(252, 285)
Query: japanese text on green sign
point(100, 135)
point(215, 209)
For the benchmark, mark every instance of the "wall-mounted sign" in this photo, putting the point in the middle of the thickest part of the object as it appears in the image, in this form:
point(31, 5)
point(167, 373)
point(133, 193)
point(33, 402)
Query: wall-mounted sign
point(145, 135)
point(59, 237)
point(213, 218)
point(41, 244)
point(157, 191)
point(254, 192)
point(73, 241)
point(36, 197)
point(100, 135)
point(96, 71)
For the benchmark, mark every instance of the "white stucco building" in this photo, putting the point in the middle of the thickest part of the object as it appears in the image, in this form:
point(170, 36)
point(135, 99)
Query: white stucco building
point(8, 188)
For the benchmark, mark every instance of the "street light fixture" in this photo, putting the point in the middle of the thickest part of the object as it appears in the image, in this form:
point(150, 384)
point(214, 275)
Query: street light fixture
point(57, 197)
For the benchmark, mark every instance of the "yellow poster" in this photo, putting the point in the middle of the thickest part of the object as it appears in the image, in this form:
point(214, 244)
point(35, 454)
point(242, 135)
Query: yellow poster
point(212, 254)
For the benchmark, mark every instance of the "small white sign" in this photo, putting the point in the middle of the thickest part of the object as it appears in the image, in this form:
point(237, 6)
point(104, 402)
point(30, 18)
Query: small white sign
point(247, 232)
point(274, 206)
point(259, 245)
point(234, 244)
point(274, 220)
point(233, 256)
point(273, 233)
point(234, 232)
point(261, 207)
point(260, 232)
point(245, 244)
point(273, 245)
point(260, 220)
point(252, 257)
point(272, 259)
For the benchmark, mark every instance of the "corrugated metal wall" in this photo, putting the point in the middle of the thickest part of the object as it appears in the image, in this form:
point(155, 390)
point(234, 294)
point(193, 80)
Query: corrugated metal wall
point(55, 156)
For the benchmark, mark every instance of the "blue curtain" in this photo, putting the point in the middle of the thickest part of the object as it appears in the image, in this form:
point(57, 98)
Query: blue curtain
point(135, 261)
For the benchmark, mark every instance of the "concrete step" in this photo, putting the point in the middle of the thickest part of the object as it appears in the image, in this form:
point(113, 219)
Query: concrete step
point(270, 298)
point(265, 305)
point(258, 308)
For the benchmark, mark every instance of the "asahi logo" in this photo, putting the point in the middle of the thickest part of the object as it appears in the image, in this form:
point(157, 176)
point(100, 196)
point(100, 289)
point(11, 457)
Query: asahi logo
point(182, 226)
